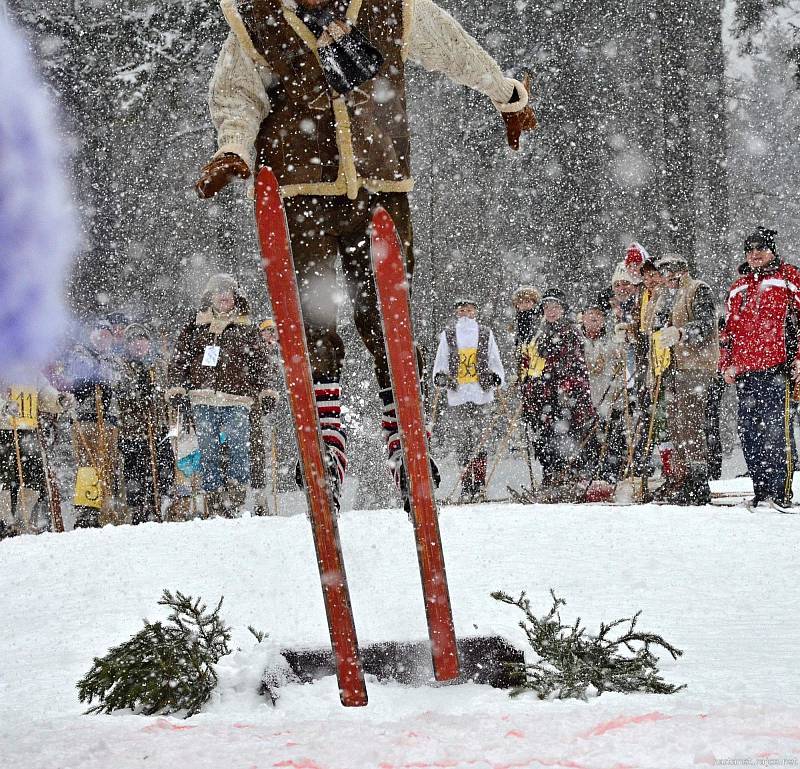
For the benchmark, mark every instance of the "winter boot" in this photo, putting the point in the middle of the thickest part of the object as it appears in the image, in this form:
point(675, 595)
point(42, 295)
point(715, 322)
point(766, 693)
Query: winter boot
point(695, 490)
point(235, 494)
point(328, 396)
point(260, 506)
point(782, 504)
point(215, 504)
point(391, 435)
point(667, 490)
point(138, 514)
point(179, 509)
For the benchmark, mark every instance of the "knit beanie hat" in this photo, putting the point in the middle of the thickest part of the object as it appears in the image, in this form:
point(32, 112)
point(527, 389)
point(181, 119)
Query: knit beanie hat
point(555, 295)
point(762, 238)
point(635, 255)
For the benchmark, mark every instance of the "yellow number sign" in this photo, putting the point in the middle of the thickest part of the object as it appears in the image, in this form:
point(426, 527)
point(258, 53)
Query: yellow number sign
point(536, 362)
point(661, 356)
point(27, 401)
point(87, 488)
point(467, 365)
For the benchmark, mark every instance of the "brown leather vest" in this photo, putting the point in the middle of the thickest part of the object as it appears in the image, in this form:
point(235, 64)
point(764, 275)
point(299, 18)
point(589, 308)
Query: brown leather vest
point(482, 357)
point(687, 357)
point(313, 139)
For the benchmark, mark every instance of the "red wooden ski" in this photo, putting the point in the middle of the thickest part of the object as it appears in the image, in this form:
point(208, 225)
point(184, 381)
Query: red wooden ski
point(388, 263)
point(276, 258)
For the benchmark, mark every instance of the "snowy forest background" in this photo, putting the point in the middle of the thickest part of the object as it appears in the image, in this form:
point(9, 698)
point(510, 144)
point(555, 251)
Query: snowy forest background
point(673, 123)
point(670, 122)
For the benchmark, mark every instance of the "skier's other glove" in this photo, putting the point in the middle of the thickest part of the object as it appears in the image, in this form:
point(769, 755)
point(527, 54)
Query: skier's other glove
point(441, 380)
point(494, 379)
point(220, 172)
point(522, 120)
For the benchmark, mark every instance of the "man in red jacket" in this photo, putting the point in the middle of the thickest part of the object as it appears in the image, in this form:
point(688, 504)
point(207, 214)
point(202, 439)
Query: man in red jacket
point(760, 355)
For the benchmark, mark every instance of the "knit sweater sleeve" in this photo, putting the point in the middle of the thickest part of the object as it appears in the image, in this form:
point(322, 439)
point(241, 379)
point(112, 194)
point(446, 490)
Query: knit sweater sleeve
point(439, 43)
point(238, 100)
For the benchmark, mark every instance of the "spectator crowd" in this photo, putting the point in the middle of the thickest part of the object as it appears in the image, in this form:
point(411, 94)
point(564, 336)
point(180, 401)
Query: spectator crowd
point(618, 399)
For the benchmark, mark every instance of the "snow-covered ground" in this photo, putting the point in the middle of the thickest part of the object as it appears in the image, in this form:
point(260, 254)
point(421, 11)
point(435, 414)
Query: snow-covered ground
point(720, 583)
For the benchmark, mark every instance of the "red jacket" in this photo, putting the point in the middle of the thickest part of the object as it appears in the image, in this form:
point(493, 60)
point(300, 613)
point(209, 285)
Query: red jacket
point(759, 304)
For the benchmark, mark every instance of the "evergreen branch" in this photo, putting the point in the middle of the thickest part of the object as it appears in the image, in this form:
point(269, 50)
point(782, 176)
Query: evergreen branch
point(164, 668)
point(571, 662)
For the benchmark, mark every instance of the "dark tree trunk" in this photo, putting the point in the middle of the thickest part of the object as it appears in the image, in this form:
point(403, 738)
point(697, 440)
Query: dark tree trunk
point(678, 189)
point(717, 138)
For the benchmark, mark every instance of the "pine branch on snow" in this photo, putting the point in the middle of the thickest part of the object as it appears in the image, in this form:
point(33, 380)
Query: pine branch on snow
point(575, 664)
point(164, 668)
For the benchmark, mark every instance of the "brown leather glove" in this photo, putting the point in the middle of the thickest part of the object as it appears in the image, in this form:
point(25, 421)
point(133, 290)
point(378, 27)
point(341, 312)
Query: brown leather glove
point(523, 120)
point(220, 172)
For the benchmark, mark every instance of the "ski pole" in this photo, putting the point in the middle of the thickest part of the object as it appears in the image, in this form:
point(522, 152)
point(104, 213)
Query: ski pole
point(53, 494)
point(503, 449)
point(274, 433)
point(152, 448)
point(153, 469)
point(26, 519)
point(437, 396)
point(630, 432)
point(105, 482)
point(174, 446)
point(648, 446)
point(528, 455)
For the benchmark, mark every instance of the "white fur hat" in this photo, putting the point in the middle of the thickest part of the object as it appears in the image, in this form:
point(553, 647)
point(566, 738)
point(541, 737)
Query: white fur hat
point(622, 273)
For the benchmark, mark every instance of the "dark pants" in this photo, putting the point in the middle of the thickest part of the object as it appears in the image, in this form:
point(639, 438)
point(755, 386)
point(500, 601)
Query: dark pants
point(565, 457)
point(137, 469)
point(320, 228)
point(613, 451)
point(713, 407)
point(763, 431)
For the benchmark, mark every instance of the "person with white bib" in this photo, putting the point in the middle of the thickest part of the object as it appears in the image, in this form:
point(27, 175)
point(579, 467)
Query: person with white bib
point(469, 368)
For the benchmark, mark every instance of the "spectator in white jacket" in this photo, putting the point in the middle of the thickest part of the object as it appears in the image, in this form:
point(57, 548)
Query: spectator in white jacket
point(469, 368)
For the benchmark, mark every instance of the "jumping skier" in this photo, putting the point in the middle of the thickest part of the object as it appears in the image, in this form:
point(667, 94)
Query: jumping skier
point(315, 90)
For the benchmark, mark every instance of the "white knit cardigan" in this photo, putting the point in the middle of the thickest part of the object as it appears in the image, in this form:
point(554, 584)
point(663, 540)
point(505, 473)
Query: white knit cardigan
point(433, 38)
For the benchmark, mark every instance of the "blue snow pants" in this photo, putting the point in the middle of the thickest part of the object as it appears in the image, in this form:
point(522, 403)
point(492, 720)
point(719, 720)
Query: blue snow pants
point(764, 431)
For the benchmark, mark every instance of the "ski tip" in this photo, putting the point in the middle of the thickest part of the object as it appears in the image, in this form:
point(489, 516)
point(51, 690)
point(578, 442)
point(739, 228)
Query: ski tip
point(383, 237)
point(380, 217)
point(266, 183)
